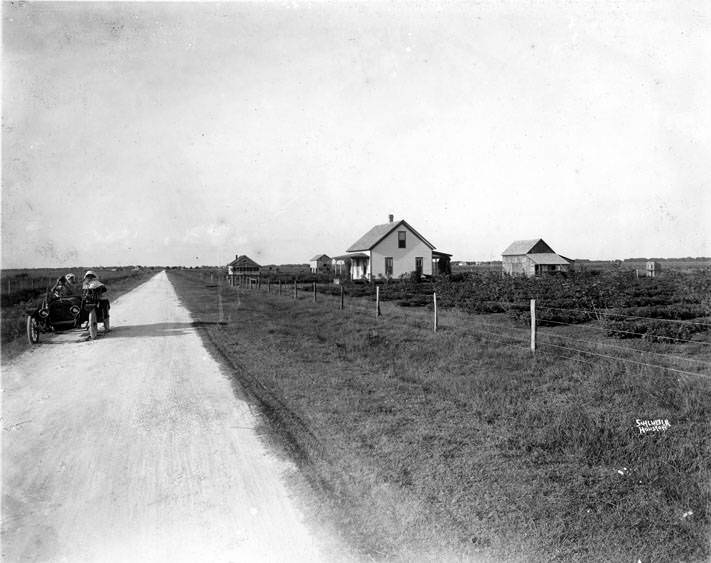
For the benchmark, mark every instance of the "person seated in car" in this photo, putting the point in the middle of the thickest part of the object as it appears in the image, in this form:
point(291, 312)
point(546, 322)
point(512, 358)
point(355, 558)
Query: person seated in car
point(64, 286)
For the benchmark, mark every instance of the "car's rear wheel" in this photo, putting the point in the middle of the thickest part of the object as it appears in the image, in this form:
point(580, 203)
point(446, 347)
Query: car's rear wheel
point(32, 330)
point(93, 325)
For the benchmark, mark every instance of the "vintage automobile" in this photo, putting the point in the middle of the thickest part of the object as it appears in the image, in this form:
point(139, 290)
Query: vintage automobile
point(58, 314)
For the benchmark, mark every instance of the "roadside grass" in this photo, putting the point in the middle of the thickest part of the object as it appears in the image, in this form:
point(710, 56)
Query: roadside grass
point(458, 445)
point(12, 333)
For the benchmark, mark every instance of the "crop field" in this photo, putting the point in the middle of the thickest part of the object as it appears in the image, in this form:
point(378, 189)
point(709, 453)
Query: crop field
point(20, 289)
point(683, 265)
point(461, 444)
point(671, 308)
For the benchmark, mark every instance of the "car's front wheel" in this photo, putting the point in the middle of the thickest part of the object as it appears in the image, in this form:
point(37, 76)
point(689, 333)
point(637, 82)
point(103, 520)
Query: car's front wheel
point(93, 325)
point(33, 330)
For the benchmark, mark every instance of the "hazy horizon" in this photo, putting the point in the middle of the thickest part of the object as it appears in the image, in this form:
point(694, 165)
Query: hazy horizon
point(186, 133)
point(306, 263)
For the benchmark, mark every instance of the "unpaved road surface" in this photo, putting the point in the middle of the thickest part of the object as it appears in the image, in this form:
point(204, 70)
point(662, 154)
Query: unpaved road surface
point(133, 447)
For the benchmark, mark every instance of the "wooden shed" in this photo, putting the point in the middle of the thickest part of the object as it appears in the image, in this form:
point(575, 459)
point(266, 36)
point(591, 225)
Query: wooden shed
point(532, 258)
point(320, 264)
point(441, 263)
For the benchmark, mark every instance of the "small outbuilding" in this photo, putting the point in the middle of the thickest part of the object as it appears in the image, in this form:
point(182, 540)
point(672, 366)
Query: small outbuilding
point(532, 258)
point(441, 263)
point(320, 264)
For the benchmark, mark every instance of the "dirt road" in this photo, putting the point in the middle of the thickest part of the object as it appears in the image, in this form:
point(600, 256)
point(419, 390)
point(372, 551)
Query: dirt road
point(133, 447)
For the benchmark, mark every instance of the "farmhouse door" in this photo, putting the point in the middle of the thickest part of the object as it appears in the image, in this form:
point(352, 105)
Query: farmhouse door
point(418, 265)
point(388, 267)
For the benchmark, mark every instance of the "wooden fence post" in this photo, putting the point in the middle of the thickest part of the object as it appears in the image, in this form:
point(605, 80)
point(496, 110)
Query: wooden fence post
point(533, 325)
point(314, 284)
point(434, 299)
point(279, 288)
point(341, 298)
point(377, 300)
point(295, 290)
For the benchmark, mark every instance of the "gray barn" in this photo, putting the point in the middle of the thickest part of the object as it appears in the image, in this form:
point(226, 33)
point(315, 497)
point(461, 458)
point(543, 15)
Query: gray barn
point(532, 258)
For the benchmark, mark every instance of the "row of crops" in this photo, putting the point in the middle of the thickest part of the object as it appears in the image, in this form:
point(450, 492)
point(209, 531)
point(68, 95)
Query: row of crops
point(628, 307)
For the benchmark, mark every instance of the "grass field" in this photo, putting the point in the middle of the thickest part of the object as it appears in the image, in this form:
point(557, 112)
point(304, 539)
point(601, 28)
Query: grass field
point(24, 288)
point(459, 445)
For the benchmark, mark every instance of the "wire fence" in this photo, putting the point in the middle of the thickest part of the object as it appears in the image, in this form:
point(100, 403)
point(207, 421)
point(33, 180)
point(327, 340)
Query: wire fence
point(597, 314)
point(574, 348)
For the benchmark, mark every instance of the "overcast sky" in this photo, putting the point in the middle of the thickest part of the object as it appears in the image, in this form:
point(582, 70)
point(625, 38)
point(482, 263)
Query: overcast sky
point(185, 133)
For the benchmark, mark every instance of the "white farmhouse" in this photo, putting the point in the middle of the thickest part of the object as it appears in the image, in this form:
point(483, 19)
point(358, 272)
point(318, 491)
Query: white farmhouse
point(390, 250)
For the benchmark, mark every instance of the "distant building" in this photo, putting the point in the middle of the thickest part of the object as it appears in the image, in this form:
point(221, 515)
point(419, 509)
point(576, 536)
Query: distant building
point(320, 264)
point(653, 269)
point(391, 250)
point(243, 266)
point(532, 258)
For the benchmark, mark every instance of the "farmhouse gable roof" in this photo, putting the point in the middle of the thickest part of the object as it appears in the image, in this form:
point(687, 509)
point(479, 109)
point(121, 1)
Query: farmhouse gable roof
point(319, 256)
point(379, 232)
point(519, 247)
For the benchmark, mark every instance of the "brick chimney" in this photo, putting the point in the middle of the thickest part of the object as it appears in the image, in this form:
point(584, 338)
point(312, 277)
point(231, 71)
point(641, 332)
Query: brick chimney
point(391, 217)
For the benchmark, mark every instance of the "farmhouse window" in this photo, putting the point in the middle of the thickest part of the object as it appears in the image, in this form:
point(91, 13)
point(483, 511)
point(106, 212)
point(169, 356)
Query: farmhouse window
point(401, 239)
point(388, 267)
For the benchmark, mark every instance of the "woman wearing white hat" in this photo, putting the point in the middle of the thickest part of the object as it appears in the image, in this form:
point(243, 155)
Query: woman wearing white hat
point(91, 281)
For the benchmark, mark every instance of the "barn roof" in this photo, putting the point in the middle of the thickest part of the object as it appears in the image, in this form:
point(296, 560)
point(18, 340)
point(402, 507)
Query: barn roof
point(244, 261)
point(379, 232)
point(319, 256)
point(548, 259)
point(519, 247)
